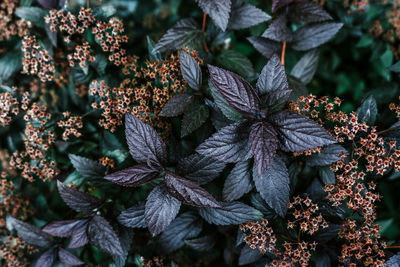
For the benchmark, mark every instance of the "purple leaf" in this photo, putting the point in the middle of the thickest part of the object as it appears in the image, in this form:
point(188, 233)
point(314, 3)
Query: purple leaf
point(161, 208)
point(276, 4)
point(305, 68)
point(309, 12)
point(218, 10)
point(52, 4)
point(68, 258)
point(229, 145)
point(235, 90)
point(265, 46)
point(232, 213)
point(143, 141)
point(79, 236)
point(264, 143)
point(125, 236)
point(47, 259)
point(61, 228)
point(278, 30)
point(277, 99)
point(191, 71)
point(205, 243)
point(177, 105)
point(327, 156)
point(188, 192)
point(133, 217)
point(102, 235)
point(76, 200)
point(238, 182)
point(245, 15)
point(133, 176)
point(272, 77)
point(298, 133)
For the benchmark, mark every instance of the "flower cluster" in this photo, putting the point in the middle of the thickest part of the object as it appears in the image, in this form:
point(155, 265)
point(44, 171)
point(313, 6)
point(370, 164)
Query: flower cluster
point(106, 161)
point(9, 25)
point(9, 106)
point(156, 261)
point(14, 252)
point(259, 235)
point(81, 56)
point(71, 124)
point(396, 109)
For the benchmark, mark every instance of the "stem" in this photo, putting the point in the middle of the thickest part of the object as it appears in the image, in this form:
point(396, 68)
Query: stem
point(87, 3)
point(283, 54)
point(393, 247)
point(388, 130)
point(203, 28)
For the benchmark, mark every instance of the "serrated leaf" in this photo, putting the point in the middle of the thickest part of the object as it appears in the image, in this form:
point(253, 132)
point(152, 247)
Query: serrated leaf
point(238, 182)
point(305, 68)
point(133, 176)
point(276, 4)
point(259, 203)
point(235, 90)
point(186, 225)
point(272, 77)
point(200, 169)
point(218, 10)
point(327, 175)
point(61, 228)
point(249, 255)
point(236, 62)
point(327, 156)
point(102, 235)
point(79, 236)
point(9, 64)
point(309, 12)
point(312, 36)
point(191, 71)
point(298, 133)
point(33, 14)
point(205, 243)
point(133, 217)
point(76, 200)
point(193, 119)
point(89, 169)
point(47, 259)
point(264, 143)
point(218, 119)
point(153, 56)
point(368, 110)
point(278, 30)
point(143, 141)
point(244, 15)
point(231, 213)
point(184, 33)
point(265, 46)
point(188, 192)
point(160, 209)
point(394, 261)
point(68, 258)
point(229, 145)
point(273, 186)
point(125, 236)
point(228, 112)
point(276, 100)
point(30, 233)
point(177, 105)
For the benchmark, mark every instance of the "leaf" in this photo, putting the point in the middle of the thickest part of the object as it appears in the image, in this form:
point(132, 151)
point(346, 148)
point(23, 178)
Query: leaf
point(177, 105)
point(188, 192)
point(229, 112)
point(232, 213)
point(68, 258)
point(133, 176)
point(218, 119)
point(229, 145)
point(200, 169)
point(47, 259)
point(273, 185)
point(327, 175)
point(395, 67)
point(322, 260)
point(309, 12)
point(238, 182)
point(218, 10)
point(193, 119)
point(161, 208)
point(205, 243)
point(186, 225)
point(276, 4)
point(328, 155)
point(368, 110)
point(272, 77)
point(245, 15)
point(143, 141)
point(264, 143)
point(89, 169)
point(236, 62)
point(278, 30)
point(61, 228)
point(153, 56)
point(325, 234)
point(33, 14)
point(102, 235)
point(237, 92)
point(184, 33)
point(10, 63)
point(305, 68)
point(191, 71)
point(312, 36)
point(133, 217)
point(79, 236)
point(100, 64)
point(30, 233)
point(76, 200)
point(316, 191)
point(394, 261)
point(265, 46)
point(52, 4)
point(249, 255)
point(298, 133)
point(125, 236)
point(277, 100)
point(259, 203)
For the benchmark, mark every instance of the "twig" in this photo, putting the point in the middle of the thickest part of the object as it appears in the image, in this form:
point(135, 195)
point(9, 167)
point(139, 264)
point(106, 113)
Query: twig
point(388, 130)
point(283, 54)
point(203, 28)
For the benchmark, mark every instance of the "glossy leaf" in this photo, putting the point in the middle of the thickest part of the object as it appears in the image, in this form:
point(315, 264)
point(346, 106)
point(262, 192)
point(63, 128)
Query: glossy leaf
point(47, 259)
point(133, 217)
point(244, 15)
point(272, 77)
point(368, 111)
point(309, 12)
point(89, 169)
point(68, 258)
point(133, 176)
point(191, 71)
point(79, 236)
point(305, 68)
point(278, 30)
point(232, 213)
point(265, 46)
point(61, 228)
point(227, 110)
point(177, 105)
point(238, 182)
point(218, 10)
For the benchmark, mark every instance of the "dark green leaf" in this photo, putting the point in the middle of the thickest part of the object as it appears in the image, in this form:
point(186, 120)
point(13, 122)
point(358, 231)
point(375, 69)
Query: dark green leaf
point(236, 62)
point(312, 36)
point(193, 119)
point(305, 68)
point(368, 110)
point(238, 182)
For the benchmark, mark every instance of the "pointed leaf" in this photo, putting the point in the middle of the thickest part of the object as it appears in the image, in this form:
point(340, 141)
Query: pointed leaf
point(33, 14)
point(177, 105)
point(327, 175)
point(218, 119)
point(249, 255)
point(79, 236)
point(153, 56)
point(278, 30)
point(276, 4)
point(89, 169)
point(102, 235)
point(205, 243)
point(68, 258)
point(276, 100)
point(161, 208)
point(143, 141)
point(133, 217)
point(193, 119)
point(236, 62)
point(305, 69)
point(191, 71)
point(186, 225)
point(245, 15)
point(61, 228)
point(298, 133)
point(273, 185)
point(235, 90)
point(133, 176)
point(200, 169)
point(238, 182)
point(272, 77)
point(10, 63)
point(327, 156)
point(232, 213)
point(229, 145)
point(47, 259)
point(259, 203)
point(30, 233)
point(188, 192)
point(368, 110)
point(125, 236)
point(265, 46)
point(229, 112)
point(309, 12)
point(76, 200)
point(218, 10)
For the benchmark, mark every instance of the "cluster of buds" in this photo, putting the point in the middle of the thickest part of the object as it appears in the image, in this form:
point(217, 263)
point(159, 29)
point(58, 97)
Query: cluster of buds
point(106, 161)
point(9, 25)
point(155, 262)
point(11, 106)
point(395, 108)
point(14, 252)
point(81, 56)
point(36, 60)
point(71, 126)
point(259, 235)
point(298, 253)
